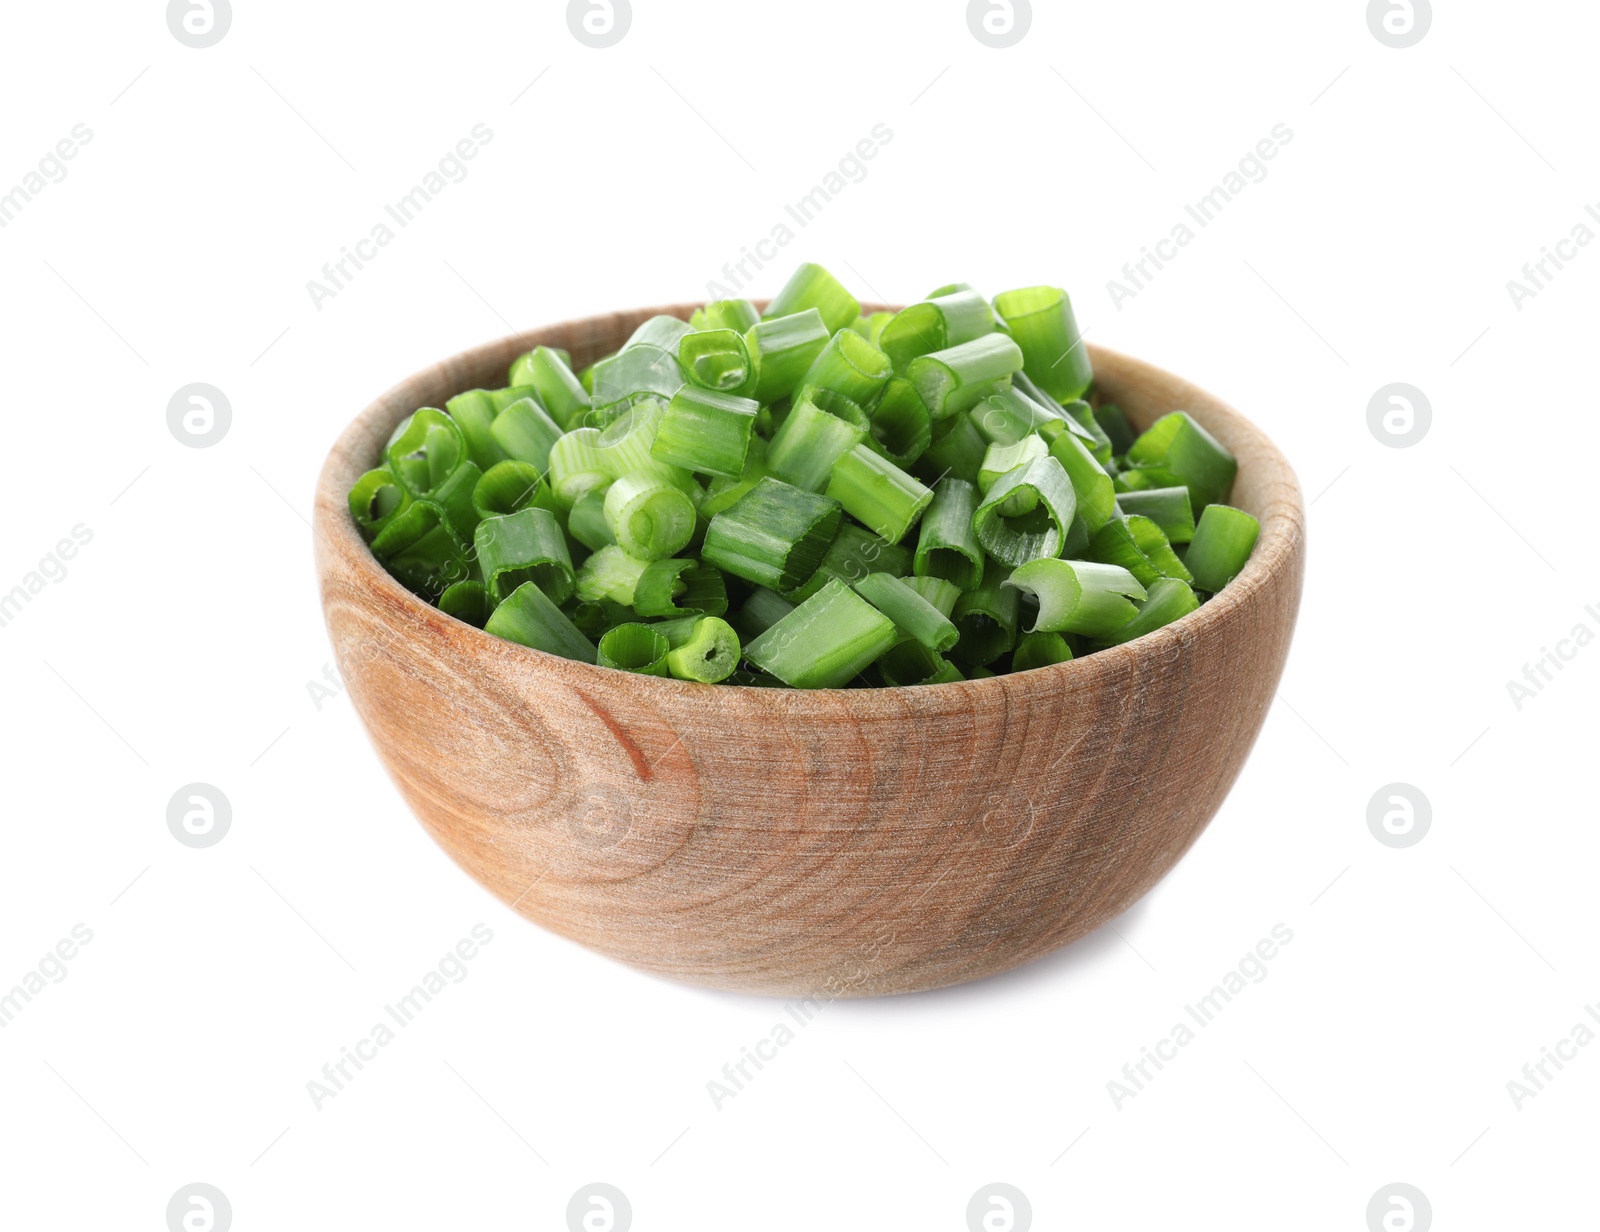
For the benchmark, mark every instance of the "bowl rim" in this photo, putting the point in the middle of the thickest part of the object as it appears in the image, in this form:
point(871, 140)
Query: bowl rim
point(1276, 551)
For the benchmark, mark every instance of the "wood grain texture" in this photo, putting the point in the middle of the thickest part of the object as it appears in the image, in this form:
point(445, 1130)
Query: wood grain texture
point(831, 843)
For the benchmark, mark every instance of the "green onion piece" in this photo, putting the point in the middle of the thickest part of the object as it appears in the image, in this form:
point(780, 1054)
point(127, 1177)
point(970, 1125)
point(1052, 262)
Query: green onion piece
point(1177, 450)
point(998, 459)
point(1006, 417)
point(1040, 650)
point(901, 427)
point(662, 332)
point(507, 487)
point(1114, 544)
point(594, 616)
point(849, 365)
point(911, 663)
point(674, 588)
point(1041, 321)
point(1147, 535)
point(877, 493)
point(549, 372)
point(375, 501)
point(718, 360)
point(782, 348)
point(986, 617)
point(811, 286)
point(1097, 495)
point(722, 492)
point(650, 517)
point(913, 615)
point(1027, 512)
point(949, 288)
point(425, 450)
point(1114, 423)
point(852, 555)
point(940, 593)
point(1222, 544)
point(469, 602)
point(1168, 600)
point(456, 497)
point(871, 328)
point(763, 609)
point(474, 413)
point(609, 574)
point(979, 673)
point(705, 431)
point(529, 618)
point(576, 466)
point(587, 521)
point(935, 324)
point(804, 449)
point(956, 450)
point(1168, 508)
point(524, 547)
point(739, 314)
point(524, 432)
point(634, 648)
point(503, 398)
point(959, 377)
point(627, 447)
point(824, 643)
point(632, 374)
point(709, 656)
point(775, 535)
point(421, 550)
point(948, 546)
point(1077, 596)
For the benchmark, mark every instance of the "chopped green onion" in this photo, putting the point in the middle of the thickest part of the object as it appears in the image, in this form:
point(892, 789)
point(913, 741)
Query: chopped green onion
point(763, 609)
point(940, 593)
point(375, 501)
point(706, 431)
point(560, 392)
point(650, 517)
point(782, 349)
point(913, 615)
point(998, 459)
point(610, 573)
point(1222, 545)
point(529, 617)
point(1114, 544)
point(1026, 513)
point(675, 588)
point(722, 492)
point(959, 377)
point(662, 332)
point(852, 555)
point(455, 496)
point(809, 442)
point(507, 487)
point(986, 617)
point(524, 432)
point(911, 663)
point(1008, 416)
point(957, 450)
point(718, 360)
point(1168, 508)
point(1115, 425)
point(824, 643)
point(422, 551)
point(474, 413)
point(871, 328)
point(1176, 450)
point(1078, 596)
point(594, 616)
point(709, 656)
point(634, 648)
point(811, 286)
point(935, 324)
point(1096, 493)
point(425, 450)
point(877, 493)
point(1042, 322)
point(1040, 650)
point(1080, 416)
point(948, 546)
point(576, 466)
point(1168, 600)
point(774, 535)
point(524, 547)
point(587, 521)
point(469, 602)
point(631, 375)
point(849, 365)
point(900, 424)
point(627, 447)
point(739, 314)
point(1147, 535)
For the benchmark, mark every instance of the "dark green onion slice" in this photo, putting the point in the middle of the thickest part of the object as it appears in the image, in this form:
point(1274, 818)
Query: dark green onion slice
point(911, 663)
point(718, 360)
point(650, 517)
point(957, 450)
point(474, 412)
point(594, 616)
point(849, 365)
point(877, 493)
point(674, 588)
point(824, 643)
point(524, 547)
point(1040, 650)
point(1114, 544)
point(634, 648)
point(782, 349)
point(947, 545)
point(986, 617)
point(722, 492)
point(1156, 549)
point(1168, 508)
point(811, 286)
point(375, 501)
point(775, 535)
point(1077, 596)
point(1043, 325)
point(1175, 451)
point(610, 573)
point(529, 618)
point(587, 521)
point(739, 314)
point(1027, 512)
point(1167, 601)
point(456, 497)
point(422, 551)
point(709, 656)
point(901, 427)
point(1222, 545)
point(469, 602)
point(702, 430)
point(913, 615)
point(549, 373)
point(425, 449)
point(1114, 423)
point(507, 487)
point(1096, 493)
point(524, 432)
point(852, 555)
point(959, 377)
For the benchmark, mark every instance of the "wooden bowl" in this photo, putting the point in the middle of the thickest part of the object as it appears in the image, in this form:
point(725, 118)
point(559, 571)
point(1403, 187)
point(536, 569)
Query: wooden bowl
point(848, 842)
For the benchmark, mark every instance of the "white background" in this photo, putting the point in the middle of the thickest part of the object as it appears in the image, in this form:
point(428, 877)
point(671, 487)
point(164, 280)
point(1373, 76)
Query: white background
point(180, 643)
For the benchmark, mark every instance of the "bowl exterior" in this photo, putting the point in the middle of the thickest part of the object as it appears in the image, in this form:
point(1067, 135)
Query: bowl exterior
point(812, 844)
